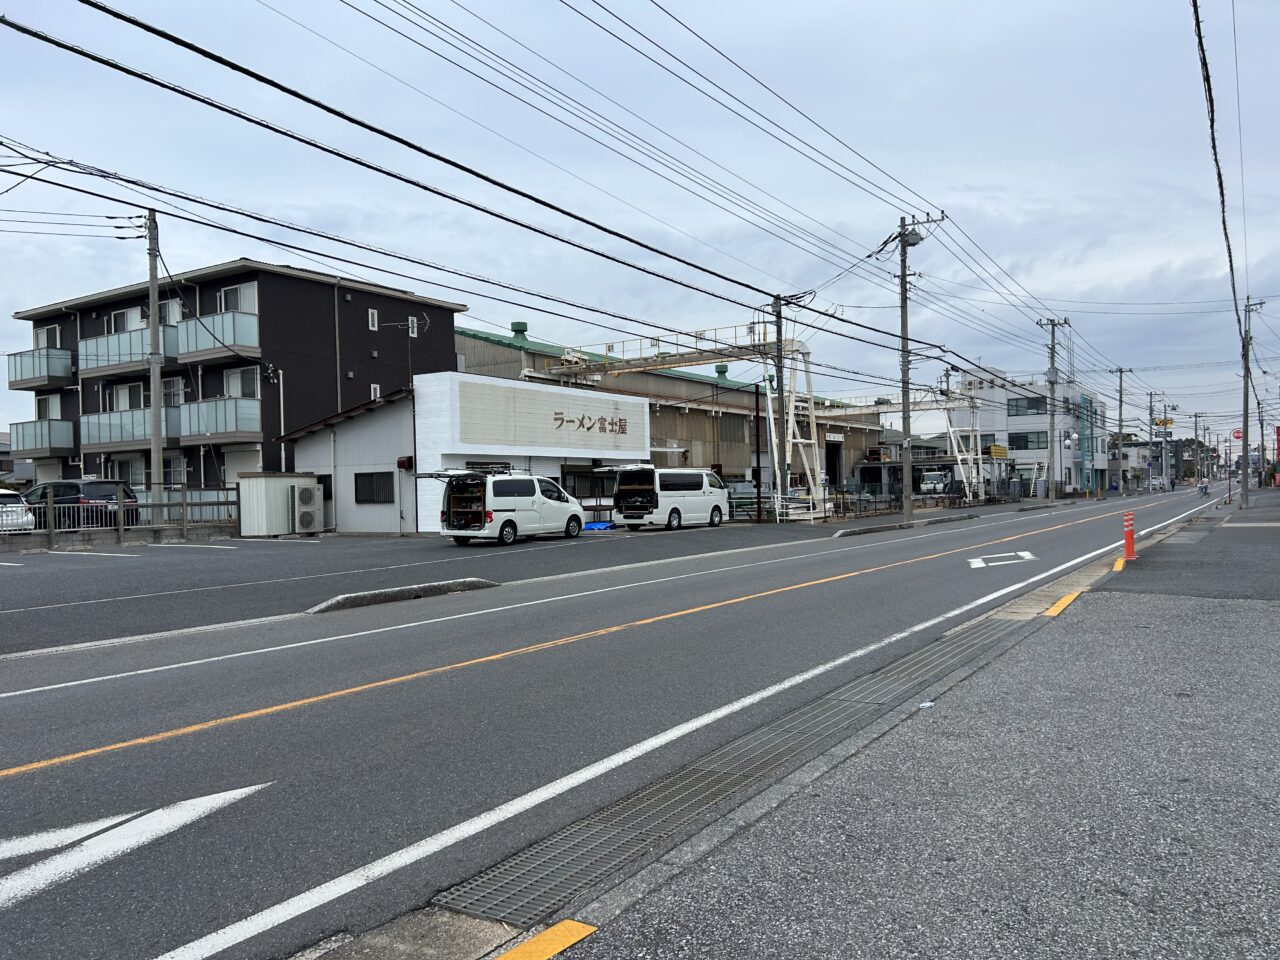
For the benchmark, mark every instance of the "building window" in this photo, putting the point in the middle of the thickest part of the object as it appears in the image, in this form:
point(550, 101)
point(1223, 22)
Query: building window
point(1029, 441)
point(373, 319)
point(131, 471)
point(375, 391)
point(1027, 406)
point(122, 320)
point(375, 488)
point(127, 396)
point(49, 408)
point(175, 471)
point(173, 392)
point(413, 326)
point(242, 298)
point(47, 337)
point(241, 382)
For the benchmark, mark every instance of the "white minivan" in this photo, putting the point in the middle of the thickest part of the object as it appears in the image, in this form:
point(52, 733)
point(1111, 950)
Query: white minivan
point(644, 494)
point(503, 507)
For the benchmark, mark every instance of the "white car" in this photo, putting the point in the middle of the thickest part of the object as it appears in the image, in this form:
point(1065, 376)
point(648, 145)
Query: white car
point(646, 495)
point(15, 515)
point(504, 507)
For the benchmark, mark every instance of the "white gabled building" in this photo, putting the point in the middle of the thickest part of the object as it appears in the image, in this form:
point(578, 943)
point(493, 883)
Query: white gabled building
point(1014, 413)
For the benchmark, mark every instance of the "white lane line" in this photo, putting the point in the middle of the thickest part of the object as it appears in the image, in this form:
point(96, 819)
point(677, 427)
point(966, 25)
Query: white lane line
point(95, 851)
point(960, 528)
point(158, 635)
point(255, 540)
point(60, 837)
point(318, 896)
point(195, 546)
point(309, 576)
point(236, 624)
point(259, 651)
point(10, 564)
point(86, 553)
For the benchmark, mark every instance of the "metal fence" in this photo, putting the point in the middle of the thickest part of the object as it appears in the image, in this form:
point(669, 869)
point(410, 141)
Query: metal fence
point(178, 508)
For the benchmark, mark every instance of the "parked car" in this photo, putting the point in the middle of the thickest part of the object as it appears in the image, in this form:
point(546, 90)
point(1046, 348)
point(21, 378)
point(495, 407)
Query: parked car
point(82, 503)
point(15, 515)
point(503, 507)
point(668, 497)
point(934, 482)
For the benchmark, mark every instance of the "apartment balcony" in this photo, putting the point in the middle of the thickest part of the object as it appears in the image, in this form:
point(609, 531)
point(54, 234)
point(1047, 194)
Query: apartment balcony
point(40, 369)
point(124, 429)
point(217, 336)
point(40, 439)
point(226, 420)
point(123, 353)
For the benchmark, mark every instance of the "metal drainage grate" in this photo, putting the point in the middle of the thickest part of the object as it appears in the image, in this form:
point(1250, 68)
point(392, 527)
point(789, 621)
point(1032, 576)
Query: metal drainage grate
point(530, 886)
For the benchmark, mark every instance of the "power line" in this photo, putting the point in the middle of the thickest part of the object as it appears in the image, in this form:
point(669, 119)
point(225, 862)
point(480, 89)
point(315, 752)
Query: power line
point(779, 96)
point(860, 377)
point(1217, 162)
point(868, 186)
point(351, 158)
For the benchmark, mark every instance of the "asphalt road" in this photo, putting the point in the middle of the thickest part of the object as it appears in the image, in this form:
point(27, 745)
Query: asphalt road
point(50, 599)
point(317, 745)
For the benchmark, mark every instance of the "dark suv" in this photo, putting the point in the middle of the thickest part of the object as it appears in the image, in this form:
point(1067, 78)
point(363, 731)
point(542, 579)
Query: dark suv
point(82, 503)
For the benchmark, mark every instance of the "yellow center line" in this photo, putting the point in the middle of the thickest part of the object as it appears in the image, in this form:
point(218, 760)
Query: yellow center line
point(170, 734)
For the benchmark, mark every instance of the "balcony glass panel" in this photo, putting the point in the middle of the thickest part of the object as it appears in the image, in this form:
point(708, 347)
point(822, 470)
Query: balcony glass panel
point(226, 415)
point(41, 363)
point(232, 329)
point(40, 435)
point(124, 426)
point(132, 346)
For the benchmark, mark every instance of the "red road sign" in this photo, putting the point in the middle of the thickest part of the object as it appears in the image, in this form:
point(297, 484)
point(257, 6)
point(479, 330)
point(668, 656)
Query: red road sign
point(1237, 434)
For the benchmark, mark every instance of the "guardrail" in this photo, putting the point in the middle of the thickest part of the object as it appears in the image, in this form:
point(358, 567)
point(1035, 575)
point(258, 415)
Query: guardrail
point(179, 510)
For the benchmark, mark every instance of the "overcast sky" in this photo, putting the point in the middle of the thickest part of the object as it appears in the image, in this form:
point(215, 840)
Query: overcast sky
point(1070, 141)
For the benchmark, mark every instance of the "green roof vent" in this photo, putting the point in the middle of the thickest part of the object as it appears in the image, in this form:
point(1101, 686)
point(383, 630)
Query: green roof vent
point(722, 370)
point(518, 329)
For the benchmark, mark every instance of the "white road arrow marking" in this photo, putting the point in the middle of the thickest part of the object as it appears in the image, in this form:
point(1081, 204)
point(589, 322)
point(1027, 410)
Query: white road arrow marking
point(53, 839)
point(97, 850)
point(1000, 559)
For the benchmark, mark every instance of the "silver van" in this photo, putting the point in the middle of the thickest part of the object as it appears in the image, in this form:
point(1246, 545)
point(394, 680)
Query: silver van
point(668, 497)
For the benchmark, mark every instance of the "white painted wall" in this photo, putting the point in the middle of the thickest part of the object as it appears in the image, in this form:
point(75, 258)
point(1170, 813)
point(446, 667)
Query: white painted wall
point(535, 427)
point(368, 443)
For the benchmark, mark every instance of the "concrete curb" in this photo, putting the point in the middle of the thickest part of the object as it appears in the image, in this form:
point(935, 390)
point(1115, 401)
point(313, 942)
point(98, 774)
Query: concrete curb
point(883, 527)
point(349, 601)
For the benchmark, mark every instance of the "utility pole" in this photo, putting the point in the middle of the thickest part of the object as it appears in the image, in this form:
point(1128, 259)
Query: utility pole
point(1051, 376)
point(155, 360)
point(907, 238)
point(1195, 430)
point(1250, 305)
point(782, 482)
point(905, 360)
point(1120, 426)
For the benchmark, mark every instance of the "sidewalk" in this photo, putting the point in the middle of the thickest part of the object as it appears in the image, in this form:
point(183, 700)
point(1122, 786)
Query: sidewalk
point(1107, 788)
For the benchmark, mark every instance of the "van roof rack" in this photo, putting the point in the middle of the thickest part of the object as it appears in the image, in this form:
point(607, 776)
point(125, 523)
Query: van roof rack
point(623, 466)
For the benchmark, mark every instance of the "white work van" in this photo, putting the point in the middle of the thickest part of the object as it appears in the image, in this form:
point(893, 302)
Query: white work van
point(646, 495)
point(503, 507)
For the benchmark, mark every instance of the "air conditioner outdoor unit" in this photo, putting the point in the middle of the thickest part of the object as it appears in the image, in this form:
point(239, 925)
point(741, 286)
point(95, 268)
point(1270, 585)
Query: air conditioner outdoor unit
point(308, 507)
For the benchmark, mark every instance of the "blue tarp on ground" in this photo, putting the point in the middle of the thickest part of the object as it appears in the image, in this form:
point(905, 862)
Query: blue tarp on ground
point(600, 525)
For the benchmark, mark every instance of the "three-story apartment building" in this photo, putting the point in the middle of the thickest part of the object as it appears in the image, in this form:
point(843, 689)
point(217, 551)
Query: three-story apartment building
point(251, 350)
